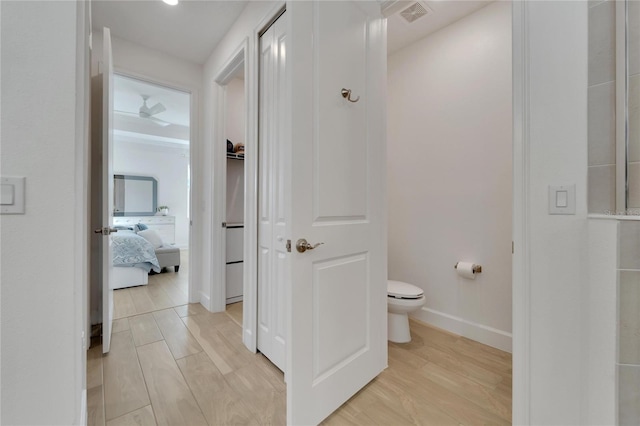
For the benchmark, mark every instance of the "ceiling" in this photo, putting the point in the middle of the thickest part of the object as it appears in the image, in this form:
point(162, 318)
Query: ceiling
point(190, 30)
point(193, 28)
point(442, 13)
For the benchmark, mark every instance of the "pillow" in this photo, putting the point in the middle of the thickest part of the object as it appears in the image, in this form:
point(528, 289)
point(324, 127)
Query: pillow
point(140, 227)
point(151, 236)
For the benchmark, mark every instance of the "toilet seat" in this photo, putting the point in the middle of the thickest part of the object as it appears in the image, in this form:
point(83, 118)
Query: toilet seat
point(401, 290)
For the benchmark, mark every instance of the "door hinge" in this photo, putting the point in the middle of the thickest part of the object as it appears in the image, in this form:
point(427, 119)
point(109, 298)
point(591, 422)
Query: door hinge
point(512, 248)
point(288, 246)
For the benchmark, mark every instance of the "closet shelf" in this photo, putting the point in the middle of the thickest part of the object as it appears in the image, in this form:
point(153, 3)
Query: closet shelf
point(234, 156)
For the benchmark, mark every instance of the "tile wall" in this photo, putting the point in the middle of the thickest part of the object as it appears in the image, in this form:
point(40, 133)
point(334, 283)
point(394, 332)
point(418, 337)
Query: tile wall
point(602, 113)
point(633, 17)
point(602, 88)
point(629, 323)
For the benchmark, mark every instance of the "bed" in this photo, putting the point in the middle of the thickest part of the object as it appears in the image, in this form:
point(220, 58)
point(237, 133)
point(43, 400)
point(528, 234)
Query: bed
point(133, 258)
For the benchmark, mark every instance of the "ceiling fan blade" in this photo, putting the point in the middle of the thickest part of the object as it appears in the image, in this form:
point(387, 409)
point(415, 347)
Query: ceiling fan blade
point(142, 116)
point(156, 109)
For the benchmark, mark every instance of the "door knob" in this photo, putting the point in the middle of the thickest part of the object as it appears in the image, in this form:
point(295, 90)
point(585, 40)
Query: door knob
point(302, 245)
point(105, 231)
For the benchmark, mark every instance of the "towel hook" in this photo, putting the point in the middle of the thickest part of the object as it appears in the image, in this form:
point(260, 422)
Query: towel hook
point(346, 93)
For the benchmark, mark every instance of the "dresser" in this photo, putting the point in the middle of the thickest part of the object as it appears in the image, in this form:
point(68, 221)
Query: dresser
point(165, 226)
point(235, 245)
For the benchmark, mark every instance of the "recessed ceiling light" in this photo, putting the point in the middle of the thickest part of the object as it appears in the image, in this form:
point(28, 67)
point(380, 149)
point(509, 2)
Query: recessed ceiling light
point(171, 2)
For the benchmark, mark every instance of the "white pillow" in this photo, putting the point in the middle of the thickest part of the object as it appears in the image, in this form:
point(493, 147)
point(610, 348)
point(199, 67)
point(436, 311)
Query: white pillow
point(151, 236)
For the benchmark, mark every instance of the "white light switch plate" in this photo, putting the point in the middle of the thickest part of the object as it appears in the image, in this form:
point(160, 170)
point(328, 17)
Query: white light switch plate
point(562, 199)
point(12, 201)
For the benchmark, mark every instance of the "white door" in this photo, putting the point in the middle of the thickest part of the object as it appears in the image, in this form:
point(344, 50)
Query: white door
point(338, 335)
point(104, 89)
point(273, 222)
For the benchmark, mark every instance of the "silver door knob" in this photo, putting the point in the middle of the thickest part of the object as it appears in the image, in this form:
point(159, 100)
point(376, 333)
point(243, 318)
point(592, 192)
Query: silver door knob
point(105, 231)
point(302, 245)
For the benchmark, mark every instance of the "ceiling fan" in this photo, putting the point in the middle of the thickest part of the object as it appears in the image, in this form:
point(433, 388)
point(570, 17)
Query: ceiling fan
point(147, 113)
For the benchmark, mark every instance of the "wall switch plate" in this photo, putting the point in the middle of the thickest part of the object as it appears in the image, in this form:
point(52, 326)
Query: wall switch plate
point(562, 199)
point(12, 195)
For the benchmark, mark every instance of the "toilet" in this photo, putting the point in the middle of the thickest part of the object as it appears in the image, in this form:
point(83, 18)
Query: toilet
point(402, 298)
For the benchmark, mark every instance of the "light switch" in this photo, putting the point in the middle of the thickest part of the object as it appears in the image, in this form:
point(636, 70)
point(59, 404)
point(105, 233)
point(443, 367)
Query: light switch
point(7, 194)
point(562, 199)
point(12, 198)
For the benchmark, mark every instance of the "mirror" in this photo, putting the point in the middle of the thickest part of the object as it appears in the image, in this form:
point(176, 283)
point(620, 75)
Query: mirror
point(135, 195)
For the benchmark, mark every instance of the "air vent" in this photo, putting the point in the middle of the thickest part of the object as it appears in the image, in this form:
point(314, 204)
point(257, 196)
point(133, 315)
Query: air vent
point(413, 12)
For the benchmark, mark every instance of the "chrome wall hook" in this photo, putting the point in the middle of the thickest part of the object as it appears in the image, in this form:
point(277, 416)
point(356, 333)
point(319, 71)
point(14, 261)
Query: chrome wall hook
point(346, 93)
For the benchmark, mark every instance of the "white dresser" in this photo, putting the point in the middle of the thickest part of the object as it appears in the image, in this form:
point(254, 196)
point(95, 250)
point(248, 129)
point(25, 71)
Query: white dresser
point(165, 226)
point(235, 244)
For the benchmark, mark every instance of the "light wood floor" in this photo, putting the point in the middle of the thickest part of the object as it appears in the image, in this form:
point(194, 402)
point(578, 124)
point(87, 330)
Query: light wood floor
point(181, 365)
point(166, 290)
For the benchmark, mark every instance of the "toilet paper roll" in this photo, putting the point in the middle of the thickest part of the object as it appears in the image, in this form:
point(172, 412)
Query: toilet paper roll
point(465, 269)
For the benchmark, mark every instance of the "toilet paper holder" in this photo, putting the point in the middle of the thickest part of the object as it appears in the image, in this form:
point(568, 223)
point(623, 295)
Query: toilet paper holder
point(476, 268)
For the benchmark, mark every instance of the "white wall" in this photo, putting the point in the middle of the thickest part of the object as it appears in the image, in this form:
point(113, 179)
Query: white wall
point(42, 303)
point(557, 155)
point(449, 172)
point(169, 166)
point(235, 128)
point(235, 111)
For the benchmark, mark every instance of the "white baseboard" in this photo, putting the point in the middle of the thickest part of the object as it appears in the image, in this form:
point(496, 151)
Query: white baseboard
point(205, 301)
point(83, 409)
point(480, 333)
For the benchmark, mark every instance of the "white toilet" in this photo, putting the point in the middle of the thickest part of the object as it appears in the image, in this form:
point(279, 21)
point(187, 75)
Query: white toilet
point(402, 298)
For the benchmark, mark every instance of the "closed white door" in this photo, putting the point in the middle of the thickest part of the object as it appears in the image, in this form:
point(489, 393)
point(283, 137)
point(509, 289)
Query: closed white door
point(103, 93)
point(274, 187)
point(338, 335)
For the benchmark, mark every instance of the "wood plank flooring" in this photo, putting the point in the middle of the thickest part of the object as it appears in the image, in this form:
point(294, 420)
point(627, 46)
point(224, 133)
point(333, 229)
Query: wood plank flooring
point(181, 365)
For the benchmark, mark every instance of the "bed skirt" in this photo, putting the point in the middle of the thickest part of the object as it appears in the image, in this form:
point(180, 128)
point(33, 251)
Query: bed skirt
point(122, 277)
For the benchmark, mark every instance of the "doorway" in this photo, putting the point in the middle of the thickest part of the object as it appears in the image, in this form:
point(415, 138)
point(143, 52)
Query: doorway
point(152, 140)
point(235, 139)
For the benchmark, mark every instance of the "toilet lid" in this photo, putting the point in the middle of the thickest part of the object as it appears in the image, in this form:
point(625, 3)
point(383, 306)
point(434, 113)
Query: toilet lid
point(401, 290)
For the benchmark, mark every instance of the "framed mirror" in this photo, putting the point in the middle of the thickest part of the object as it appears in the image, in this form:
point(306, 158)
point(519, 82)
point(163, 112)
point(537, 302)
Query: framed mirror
point(135, 195)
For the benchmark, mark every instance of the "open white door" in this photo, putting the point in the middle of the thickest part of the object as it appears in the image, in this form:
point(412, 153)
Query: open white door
point(338, 329)
point(106, 84)
point(273, 217)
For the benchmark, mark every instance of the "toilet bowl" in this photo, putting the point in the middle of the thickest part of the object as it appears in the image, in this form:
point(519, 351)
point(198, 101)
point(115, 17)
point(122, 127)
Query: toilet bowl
point(402, 298)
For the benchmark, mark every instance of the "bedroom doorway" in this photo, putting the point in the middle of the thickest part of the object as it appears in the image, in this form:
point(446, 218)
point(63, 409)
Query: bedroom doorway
point(152, 138)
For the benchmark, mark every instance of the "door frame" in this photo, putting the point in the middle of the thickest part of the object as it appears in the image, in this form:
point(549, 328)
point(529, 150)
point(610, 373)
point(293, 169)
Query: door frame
point(239, 58)
point(193, 295)
point(247, 53)
point(521, 262)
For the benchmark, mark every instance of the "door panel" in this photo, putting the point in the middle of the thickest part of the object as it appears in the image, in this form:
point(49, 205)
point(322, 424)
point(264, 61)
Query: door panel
point(336, 283)
point(107, 188)
point(337, 340)
point(273, 264)
point(340, 167)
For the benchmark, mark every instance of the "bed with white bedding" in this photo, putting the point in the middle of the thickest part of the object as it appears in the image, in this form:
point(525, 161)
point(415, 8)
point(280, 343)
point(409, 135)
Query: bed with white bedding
point(133, 258)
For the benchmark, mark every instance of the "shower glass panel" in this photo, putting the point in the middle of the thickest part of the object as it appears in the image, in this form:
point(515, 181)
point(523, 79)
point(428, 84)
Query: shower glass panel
point(614, 107)
point(633, 106)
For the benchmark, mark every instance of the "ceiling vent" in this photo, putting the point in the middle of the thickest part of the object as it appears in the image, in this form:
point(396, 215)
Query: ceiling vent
point(414, 12)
